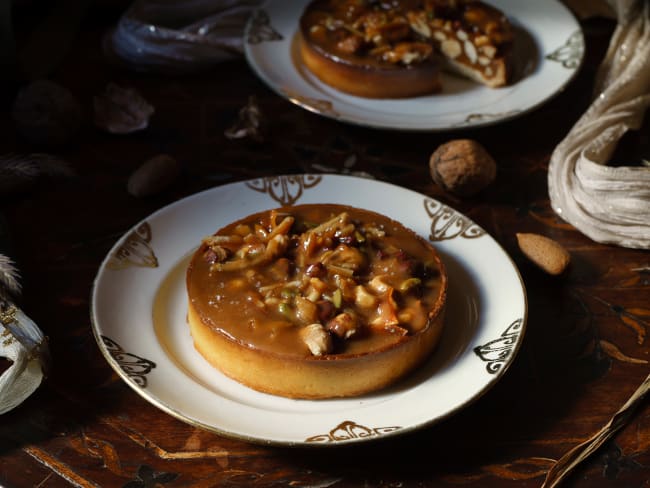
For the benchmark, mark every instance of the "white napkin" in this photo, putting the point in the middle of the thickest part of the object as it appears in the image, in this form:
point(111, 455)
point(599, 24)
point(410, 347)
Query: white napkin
point(22, 342)
point(609, 204)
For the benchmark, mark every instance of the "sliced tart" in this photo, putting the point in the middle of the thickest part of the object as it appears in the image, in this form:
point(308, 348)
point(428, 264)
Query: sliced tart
point(394, 49)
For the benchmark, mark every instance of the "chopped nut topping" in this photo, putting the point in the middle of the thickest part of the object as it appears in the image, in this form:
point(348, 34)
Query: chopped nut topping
point(451, 48)
point(331, 280)
point(470, 51)
point(317, 339)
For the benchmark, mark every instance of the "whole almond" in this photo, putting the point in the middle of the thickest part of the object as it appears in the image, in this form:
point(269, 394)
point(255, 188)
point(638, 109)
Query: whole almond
point(153, 176)
point(546, 253)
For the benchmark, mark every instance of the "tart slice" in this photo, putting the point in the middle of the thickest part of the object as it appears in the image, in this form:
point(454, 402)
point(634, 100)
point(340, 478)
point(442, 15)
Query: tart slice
point(316, 301)
point(473, 38)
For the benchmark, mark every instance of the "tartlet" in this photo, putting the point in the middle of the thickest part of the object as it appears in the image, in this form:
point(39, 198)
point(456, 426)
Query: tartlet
point(316, 301)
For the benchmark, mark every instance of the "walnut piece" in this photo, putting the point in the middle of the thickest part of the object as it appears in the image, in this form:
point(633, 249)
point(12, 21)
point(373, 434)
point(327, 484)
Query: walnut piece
point(317, 339)
point(462, 167)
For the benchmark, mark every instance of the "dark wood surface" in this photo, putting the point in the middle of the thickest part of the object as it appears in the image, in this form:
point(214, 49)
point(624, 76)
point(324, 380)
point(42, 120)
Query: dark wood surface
point(85, 427)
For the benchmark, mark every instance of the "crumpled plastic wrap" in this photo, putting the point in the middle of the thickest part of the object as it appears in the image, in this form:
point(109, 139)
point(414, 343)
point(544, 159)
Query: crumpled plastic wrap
point(179, 36)
point(609, 204)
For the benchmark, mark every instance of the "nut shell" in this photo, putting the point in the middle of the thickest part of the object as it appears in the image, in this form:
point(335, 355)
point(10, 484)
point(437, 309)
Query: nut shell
point(462, 167)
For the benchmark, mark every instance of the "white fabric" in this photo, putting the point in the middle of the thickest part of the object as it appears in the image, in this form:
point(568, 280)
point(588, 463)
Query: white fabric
point(180, 36)
point(23, 377)
point(609, 204)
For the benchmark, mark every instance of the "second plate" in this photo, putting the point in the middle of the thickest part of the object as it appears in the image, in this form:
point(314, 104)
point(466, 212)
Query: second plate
point(549, 51)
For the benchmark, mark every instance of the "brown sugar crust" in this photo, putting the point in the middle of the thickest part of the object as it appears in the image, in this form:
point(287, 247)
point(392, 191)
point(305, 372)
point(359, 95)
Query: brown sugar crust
point(289, 326)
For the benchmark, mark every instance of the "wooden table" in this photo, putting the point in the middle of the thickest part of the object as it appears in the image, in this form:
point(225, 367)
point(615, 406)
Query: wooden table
point(85, 427)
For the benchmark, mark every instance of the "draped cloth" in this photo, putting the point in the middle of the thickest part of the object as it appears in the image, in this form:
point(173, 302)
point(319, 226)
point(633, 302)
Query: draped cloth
point(609, 204)
point(24, 345)
point(179, 36)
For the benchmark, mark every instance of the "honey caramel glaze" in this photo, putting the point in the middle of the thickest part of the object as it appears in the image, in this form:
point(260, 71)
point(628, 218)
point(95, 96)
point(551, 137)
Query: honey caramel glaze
point(230, 303)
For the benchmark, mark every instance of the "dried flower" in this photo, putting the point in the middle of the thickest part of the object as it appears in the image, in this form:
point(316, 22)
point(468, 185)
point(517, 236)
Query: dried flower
point(9, 284)
point(121, 110)
point(249, 122)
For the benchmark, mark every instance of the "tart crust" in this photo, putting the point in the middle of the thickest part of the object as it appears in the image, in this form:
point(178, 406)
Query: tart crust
point(260, 364)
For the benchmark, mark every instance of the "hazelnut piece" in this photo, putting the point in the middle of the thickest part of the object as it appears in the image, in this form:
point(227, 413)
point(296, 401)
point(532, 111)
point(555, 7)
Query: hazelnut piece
point(462, 167)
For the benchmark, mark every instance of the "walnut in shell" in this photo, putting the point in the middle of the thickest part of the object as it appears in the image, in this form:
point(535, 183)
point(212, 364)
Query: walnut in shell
point(462, 167)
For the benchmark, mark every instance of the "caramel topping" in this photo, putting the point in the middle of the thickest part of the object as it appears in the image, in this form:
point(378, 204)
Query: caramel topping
point(315, 279)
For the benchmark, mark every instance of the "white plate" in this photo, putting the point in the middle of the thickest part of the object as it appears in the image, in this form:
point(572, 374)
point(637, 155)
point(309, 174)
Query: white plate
point(139, 317)
point(549, 51)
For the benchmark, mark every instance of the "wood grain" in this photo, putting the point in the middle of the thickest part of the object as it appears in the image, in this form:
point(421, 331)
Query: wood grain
point(86, 428)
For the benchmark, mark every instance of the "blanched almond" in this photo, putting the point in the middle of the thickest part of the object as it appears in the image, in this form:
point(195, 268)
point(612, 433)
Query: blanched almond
point(439, 36)
point(451, 48)
point(470, 50)
point(489, 50)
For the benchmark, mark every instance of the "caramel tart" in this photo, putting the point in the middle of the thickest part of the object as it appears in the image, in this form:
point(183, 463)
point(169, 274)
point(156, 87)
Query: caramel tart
point(394, 49)
point(316, 301)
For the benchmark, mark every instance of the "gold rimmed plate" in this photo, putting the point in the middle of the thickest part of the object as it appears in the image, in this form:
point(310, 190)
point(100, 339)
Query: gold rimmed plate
point(139, 308)
point(549, 49)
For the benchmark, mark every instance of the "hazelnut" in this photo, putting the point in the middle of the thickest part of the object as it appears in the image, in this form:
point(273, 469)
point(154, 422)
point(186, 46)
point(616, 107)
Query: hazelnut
point(462, 167)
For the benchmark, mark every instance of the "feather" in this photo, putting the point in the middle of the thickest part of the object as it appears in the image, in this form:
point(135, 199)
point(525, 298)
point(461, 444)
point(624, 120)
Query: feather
point(19, 171)
point(9, 284)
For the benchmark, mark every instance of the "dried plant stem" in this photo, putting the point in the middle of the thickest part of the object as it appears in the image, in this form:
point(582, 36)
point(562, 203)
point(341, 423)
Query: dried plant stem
point(565, 465)
point(19, 171)
point(9, 284)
